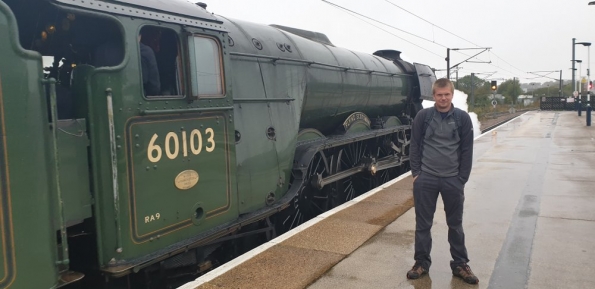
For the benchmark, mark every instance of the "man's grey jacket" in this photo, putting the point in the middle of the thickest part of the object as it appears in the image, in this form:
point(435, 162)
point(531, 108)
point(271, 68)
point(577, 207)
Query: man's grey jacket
point(444, 150)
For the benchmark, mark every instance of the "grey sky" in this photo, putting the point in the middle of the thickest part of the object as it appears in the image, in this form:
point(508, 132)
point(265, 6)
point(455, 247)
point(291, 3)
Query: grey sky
point(525, 35)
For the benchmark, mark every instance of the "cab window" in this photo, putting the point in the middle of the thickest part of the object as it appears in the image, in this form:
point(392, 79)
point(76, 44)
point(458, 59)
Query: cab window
point(159, 53)
point(207, 72)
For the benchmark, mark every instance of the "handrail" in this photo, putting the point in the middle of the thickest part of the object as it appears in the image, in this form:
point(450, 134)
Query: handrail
point(54, 115)
point(275, 59)
point(184, 110)
point(114, 162)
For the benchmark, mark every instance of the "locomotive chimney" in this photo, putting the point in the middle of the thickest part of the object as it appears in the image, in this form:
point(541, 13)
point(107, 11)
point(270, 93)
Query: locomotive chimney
point(201, 4)
point(393, 55)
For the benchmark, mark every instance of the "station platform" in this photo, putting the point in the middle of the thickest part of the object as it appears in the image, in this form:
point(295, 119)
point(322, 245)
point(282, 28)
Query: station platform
point(529, 222)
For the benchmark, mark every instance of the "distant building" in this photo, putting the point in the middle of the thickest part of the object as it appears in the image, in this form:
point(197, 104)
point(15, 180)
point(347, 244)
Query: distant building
point(497, 96)
point(525, 100)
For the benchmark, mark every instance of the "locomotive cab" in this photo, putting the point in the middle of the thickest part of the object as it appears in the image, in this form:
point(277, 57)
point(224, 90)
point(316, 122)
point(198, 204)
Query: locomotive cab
point(132, 124)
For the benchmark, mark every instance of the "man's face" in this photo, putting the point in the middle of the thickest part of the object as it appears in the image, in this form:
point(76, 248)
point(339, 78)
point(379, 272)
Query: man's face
point(443, 98)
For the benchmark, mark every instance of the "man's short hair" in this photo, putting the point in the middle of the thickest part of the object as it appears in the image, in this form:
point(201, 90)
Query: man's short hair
point(443, 82)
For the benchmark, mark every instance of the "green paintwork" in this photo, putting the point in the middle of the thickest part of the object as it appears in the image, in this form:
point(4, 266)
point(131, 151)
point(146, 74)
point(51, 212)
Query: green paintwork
point(74, 171)
point(147, 188)
point(157, 206)
point(321, 98)
point(391, 121)
point(309, 134)
point(28, 247)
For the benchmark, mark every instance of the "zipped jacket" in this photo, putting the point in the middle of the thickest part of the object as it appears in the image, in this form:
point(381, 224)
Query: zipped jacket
point(443, 150)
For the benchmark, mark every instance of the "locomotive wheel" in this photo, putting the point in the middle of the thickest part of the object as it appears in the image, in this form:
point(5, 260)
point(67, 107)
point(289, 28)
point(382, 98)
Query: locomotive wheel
point(309, 201)
point(384, 149)
point(348, 188)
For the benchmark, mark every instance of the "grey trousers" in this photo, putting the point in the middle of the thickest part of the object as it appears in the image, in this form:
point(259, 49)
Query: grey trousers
point(425, 194)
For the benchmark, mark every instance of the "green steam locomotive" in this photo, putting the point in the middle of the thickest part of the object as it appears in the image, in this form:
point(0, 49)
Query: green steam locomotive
point(148, 138)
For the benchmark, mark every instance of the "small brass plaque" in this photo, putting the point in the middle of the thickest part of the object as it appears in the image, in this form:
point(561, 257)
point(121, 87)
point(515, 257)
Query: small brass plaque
point(186, 179)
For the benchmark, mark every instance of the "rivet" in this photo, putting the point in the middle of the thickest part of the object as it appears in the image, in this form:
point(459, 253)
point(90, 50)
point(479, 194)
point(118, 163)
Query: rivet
point(137, 145)
point(155, 167)
point(136, 136)
point(118, 137)
point(119, 147)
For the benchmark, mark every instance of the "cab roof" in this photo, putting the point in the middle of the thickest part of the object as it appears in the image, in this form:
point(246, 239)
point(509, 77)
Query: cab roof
point(163, 10)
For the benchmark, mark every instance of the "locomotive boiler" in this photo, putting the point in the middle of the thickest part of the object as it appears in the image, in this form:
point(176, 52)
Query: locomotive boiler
point(248, 131)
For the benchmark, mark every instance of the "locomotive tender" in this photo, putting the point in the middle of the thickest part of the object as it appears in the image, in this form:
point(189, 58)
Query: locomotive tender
point(254, 130)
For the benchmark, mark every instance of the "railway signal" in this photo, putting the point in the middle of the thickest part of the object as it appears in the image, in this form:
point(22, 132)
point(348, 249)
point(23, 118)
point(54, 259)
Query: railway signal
point(494, 85)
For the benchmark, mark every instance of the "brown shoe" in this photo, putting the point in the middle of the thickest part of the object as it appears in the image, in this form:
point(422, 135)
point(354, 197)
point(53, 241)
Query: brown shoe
point(464, 272)
point(417, 271)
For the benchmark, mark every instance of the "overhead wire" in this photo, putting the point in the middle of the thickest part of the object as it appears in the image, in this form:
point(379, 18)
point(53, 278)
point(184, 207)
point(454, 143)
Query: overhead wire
point(393, 27)
point(420, 37)
point(352, 13)
point(430, 22)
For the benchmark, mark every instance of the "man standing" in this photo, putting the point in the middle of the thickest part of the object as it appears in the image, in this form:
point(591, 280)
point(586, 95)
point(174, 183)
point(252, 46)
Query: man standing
point(441, 159)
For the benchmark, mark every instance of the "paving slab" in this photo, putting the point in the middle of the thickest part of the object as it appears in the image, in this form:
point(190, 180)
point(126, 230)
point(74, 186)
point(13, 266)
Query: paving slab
point(334, 235)
point(264, 270)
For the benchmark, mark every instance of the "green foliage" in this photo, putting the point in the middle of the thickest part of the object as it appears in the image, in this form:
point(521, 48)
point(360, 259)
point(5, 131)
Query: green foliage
point(510, 89)
point(551, 89)
point(464, 84)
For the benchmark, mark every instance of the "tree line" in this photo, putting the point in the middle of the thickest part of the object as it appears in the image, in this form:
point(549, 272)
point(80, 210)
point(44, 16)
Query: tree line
point(510, 89)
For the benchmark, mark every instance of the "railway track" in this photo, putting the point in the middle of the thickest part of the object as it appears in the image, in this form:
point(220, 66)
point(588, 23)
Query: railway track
point(498, 119)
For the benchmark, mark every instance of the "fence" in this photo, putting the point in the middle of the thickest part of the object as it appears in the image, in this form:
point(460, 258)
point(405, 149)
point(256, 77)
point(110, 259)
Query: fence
point(563, 103)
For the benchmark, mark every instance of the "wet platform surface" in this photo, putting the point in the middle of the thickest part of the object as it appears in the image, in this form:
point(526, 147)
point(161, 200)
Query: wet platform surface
point(529, 221)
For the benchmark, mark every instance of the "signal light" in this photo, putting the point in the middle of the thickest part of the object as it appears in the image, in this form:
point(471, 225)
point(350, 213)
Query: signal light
point(494, 85)
point(590, 84)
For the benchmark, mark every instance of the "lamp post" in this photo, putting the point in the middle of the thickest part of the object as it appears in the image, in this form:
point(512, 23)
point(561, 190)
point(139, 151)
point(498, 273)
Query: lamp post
point(589, 109)
point(573, 60)
point(580, 76)
point(588, 44)
point(589, 81)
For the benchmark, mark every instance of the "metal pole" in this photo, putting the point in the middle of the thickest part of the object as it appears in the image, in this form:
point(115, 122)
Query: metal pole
point(588, 109)
point(580, 76)
point(588, 82)
point(513, 90)
point(560, 83)
point(472, 103)
point(573, 84)
point(448, 62)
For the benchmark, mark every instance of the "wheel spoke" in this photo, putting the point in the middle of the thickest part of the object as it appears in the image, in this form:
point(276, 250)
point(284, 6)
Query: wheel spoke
point(309, 201)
